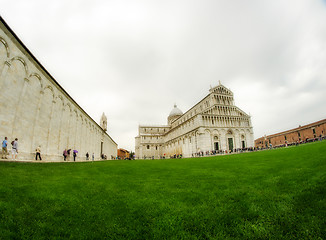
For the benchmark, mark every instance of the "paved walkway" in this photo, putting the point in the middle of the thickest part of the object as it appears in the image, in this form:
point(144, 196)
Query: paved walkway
point(44, 161)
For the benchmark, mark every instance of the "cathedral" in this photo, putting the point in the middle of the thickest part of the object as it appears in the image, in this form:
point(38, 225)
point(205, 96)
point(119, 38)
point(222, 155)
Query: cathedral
point(213, 125)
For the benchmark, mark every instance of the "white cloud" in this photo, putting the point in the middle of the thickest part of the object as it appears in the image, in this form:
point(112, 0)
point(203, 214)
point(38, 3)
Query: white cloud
point(134, 59)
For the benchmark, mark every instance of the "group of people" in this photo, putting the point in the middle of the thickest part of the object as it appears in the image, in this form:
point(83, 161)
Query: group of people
point(66, 155)
point(14, 151)
point(14, 148)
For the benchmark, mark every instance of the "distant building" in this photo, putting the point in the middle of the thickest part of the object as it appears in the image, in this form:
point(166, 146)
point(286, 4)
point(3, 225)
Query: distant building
point(213, 124)
point(301, 133)
point(123, 153)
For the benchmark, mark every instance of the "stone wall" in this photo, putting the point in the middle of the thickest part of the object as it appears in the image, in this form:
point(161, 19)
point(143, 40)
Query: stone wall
point(38, 111)
point(302, 133)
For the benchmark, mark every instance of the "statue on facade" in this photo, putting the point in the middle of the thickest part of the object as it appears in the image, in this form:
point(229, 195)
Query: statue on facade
point(104, 122)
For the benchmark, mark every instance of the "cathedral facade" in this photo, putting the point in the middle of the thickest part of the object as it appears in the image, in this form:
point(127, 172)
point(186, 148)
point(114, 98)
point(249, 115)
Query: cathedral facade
point(35, 109)
point(214, 124)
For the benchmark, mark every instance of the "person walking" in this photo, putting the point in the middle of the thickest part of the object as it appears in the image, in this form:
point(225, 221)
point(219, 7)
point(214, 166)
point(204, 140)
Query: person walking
point(4, 148)
point(75, 155)
point(93, 157)
point(87, 156)
point(14, 148)
point(65, 155)
point(38, 153)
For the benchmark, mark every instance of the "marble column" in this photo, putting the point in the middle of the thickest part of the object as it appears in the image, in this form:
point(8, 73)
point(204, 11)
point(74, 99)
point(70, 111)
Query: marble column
point(18, 106)
point(35, 122)
point(4, 74)
point(49, 128)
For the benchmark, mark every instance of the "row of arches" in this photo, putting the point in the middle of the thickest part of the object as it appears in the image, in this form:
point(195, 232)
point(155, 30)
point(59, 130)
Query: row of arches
point(224, 110)
point(222, 121)
point(224, 100)
point(221, 90)
point(205, 140)
point(39, 113)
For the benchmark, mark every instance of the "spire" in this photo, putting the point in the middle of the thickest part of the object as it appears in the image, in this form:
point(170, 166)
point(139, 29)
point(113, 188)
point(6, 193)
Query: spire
point(104, 122)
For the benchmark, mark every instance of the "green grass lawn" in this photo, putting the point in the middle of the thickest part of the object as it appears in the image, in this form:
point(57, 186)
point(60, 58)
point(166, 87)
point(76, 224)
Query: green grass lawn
point(275, 194)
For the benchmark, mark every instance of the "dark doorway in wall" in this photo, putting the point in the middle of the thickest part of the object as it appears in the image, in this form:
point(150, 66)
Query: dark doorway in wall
point(230, 141)
point(216, 146)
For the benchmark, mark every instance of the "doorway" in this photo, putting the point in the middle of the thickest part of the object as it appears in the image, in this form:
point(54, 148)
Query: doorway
point(230, 141)
point(216, 146)
point(243, 144)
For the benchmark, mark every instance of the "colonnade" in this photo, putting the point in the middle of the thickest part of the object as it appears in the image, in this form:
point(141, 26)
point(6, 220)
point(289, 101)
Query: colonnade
point(225, 121)
point(199, 141)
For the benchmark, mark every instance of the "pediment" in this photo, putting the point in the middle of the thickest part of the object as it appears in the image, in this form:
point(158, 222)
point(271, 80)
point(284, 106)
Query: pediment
point(220, 89)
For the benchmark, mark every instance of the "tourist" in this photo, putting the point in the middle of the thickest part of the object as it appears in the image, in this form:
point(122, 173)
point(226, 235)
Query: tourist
point(38, 153)
point(93, 157)
point(87, 155)
point(14, 149)
point(65, 153)
point(68, 154)
point(75, 155)
point(4, 148)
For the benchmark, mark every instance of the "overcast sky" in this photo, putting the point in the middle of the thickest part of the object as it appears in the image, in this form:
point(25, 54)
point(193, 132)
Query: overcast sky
point(134, 59)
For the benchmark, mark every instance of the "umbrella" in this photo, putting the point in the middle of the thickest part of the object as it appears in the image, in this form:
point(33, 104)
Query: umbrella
point(75, 151)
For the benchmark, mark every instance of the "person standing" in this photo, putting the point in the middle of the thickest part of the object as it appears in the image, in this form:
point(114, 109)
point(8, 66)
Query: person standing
point(38, 153)
point(87, 156)
point(4, 148)
point(93, 157)
point(14, 149)
point(75, 155)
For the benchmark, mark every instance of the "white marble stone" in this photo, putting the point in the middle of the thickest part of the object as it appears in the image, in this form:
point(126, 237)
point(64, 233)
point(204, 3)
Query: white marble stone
point(38, 111)
point(214, 123)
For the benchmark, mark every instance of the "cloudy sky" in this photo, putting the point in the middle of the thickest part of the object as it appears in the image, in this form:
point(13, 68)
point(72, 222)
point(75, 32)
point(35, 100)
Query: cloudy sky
point(133, 59)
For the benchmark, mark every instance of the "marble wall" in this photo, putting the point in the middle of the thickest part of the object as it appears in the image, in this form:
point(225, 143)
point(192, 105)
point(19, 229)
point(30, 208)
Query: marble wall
point(35, 109)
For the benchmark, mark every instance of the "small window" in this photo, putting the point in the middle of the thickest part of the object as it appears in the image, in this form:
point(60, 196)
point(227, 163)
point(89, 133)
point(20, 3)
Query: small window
point(147, 146)
point(284, 137)
point(314, 131)
point(156, 147)
point(299, 134)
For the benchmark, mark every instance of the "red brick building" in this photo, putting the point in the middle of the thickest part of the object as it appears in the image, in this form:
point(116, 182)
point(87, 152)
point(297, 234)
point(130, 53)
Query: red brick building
point(123, 153)
point(302, 133)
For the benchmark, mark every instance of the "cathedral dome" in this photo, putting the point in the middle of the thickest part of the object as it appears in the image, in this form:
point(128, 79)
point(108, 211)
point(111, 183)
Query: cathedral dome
point(175, 111)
